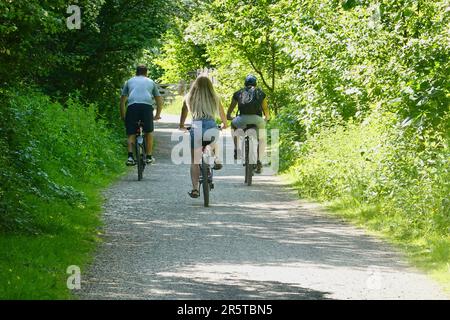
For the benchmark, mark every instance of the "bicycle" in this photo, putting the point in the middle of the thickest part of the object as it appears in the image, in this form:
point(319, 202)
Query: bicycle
point(250, 151)
point(140, 149)
point(206, 172)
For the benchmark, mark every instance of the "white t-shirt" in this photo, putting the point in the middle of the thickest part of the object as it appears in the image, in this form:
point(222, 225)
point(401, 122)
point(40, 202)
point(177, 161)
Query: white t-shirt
point(140, 89)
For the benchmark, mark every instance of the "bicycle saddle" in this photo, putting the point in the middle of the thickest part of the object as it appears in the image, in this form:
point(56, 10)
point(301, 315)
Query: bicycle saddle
point(250, 126)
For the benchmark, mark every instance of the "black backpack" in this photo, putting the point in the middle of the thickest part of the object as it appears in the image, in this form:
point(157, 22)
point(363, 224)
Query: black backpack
point(249, 101)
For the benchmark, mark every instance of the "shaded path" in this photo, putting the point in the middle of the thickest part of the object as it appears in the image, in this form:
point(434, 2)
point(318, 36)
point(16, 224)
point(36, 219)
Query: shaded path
point(255, 242)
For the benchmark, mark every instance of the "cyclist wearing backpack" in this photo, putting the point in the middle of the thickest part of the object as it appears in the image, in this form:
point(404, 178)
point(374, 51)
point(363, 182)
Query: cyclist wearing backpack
point(252, 104)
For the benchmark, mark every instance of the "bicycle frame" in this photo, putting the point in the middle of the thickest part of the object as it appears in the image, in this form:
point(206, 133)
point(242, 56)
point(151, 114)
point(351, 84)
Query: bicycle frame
point(206, 171)
point(250, 135)
point(253, 147)
point(249, 150)
point(207, 160)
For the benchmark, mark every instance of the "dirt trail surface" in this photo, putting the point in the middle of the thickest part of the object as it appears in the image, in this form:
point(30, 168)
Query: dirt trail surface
point(257, 242)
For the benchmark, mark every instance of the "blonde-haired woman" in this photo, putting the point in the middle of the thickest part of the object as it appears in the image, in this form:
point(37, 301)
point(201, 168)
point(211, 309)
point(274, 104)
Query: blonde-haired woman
point(204, 105)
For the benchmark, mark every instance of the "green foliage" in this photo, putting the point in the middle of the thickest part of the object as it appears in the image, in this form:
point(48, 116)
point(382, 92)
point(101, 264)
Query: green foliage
point(50, 149)
point(54, 161)
point(347, 63)
point(379, 164)
point(180, 57)
point(34, 266)
point(30, 31)
point(239, 39)
point(367, 126)
point(360, 88)
point(57, 148)
point(362, 94)
point(37, 47)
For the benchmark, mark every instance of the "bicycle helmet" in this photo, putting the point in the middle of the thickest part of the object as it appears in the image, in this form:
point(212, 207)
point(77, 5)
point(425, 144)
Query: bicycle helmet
point(250, 80)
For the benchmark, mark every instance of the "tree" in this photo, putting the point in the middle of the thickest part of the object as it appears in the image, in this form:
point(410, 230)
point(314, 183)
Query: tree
point(36, 46)
point(241, 34)
point(180, 56)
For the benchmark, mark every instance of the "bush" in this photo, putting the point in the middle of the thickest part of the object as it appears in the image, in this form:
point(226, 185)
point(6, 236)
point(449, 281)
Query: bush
point(401, 170)
point(48, 150)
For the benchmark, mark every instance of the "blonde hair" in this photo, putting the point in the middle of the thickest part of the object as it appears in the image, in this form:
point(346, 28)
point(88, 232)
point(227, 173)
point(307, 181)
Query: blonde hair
point(202, 100)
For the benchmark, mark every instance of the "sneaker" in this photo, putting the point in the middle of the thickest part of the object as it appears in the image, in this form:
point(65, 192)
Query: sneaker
point(258, 167)
point(131, 162)
point(150, 160)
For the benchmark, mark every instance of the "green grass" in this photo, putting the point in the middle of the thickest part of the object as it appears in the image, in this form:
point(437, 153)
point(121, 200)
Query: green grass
point(173, 107)
point(389, 179)
point(50, 195)
point(429, 253)
point(34, 266)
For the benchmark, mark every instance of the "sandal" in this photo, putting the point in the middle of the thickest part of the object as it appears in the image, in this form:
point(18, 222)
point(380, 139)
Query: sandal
point(194, 194)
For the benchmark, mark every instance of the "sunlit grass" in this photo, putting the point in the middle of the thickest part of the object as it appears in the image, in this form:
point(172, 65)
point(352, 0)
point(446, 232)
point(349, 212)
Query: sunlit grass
point(34, 266)
point(50, 209)
point(430, 253)
point(173, 107)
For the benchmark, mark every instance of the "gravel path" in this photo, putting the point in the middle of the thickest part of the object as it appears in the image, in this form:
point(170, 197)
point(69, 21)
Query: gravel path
point(256, 242)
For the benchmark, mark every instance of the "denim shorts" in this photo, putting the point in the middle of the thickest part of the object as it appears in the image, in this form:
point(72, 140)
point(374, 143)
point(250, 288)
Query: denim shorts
point(203, 130)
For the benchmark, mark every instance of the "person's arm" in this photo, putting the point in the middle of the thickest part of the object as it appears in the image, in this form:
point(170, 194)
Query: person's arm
point(123, 100)
point(231, 108)
point(223, 117)
point(184, 113)
point(158, 99)
point(159, 104)
point(265, 108)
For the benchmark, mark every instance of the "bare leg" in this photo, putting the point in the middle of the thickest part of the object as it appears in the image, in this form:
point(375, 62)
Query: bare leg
point(195, 175)
point(262, 145)
point(131, 142)
point(234, 137)
point(217, 152)
point(149, 142)
point(195, 169)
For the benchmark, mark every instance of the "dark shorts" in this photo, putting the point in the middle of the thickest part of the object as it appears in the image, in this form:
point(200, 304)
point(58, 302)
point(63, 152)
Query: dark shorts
point(136, 112)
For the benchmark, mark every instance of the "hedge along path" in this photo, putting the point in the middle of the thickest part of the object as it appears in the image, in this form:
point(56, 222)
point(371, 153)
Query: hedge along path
point(256, 242)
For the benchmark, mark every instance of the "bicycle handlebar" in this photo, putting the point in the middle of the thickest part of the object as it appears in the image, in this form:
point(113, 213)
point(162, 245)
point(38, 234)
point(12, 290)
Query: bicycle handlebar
point(190, 128)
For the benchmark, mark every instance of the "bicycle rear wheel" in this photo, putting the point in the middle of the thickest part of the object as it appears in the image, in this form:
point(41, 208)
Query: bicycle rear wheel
point(140, 161)
point(205, 183)
point(248, 165)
